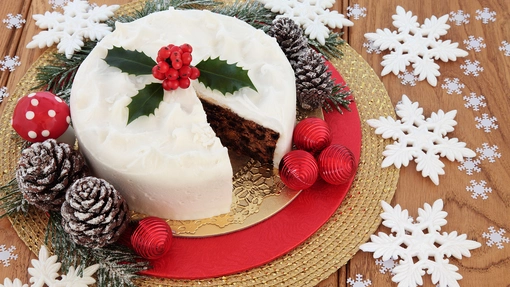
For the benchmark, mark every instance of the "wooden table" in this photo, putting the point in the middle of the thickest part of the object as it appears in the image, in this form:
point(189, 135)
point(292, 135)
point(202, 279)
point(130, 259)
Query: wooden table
point(488, 266)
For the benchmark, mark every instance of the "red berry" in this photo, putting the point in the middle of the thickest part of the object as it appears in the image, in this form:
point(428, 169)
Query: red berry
point(312, 134)
point(336, 164)
point(177, 63)
point(175, 55)
point(184, 71)
point(163, 67)
point(170, 85)
point(172, 74)
point(164, 53)
point(175, 49)
point(186, 58)
point(157, 74)
point(184, 83)
point(195, 73)
point(186, 48)
point(298, 169)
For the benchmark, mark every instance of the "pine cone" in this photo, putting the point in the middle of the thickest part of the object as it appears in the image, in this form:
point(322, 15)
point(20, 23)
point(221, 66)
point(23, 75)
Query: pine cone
point(45, 171)
point(290, 37)
point(313, 80)
point(94, 213)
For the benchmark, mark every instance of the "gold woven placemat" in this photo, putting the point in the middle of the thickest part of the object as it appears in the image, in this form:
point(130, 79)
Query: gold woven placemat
point(318, 257)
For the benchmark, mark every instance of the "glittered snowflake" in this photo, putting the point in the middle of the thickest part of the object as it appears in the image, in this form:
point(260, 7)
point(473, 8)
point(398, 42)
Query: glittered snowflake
point(453, 86)
point(79, 21)
point(9, 63)
point(475, 44)
point(495, 237)
point(369, 46)
point(3, 93)
point(488, 152)
point(386, 265)
point(356, 11)
point(415, 44)
point(486, 123)
point(478, 189)
point(470, 165)
point(6, 255)
point(408, 78)
point(419, 245)
point(420, 139)
point(474, 101)
point(14, 21)
point(471, 68)
point(44, 272)
point(359, 282)
point(459, 17)
point(312, 15)
point(58, 3)
point(505, 47)
point(485, 15)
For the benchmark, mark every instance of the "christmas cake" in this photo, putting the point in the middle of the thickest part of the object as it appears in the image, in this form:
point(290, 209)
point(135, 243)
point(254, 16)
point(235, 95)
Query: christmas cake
point(175, 162)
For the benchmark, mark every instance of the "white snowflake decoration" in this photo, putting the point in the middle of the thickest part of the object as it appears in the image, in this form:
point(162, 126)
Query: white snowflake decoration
point(14, 21)
point(478, 189)
point(505, 46)
point(313, 15)
point(471, 68)
point(474, 101)
point(369, 45)
point(453, 86)
point(420, 138)
point(415, 44)
point(495, 237)
point(3, 93)
point(459, 17)
point(79, 21)
point(469, 165)
point(6, 255)
point(486, 123)
point(356, 11)
point(485, 15)
point(45, 271)
point(419, 245)
point(359, 282)
point(386, 265)
point(58, 3)
point(9, 63)
point(408, 78)
point(475, 44)
point(488, 152)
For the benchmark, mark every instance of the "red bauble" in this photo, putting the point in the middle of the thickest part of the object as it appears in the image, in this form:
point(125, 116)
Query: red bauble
point(336, 164)
point(312, 134)
point(298, 170)
point(152, 238)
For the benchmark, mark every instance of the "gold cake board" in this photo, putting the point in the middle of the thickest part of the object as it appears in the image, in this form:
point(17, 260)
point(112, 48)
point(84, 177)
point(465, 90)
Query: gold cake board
point(318, 257)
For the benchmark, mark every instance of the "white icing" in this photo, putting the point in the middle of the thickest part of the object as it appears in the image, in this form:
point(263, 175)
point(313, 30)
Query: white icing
point(171, 164)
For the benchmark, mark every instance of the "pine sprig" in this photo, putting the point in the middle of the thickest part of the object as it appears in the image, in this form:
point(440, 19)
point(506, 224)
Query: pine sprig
point(251, 12)
point(12, 200)
point(340, 96)
point(330, 49)
point(118, 265)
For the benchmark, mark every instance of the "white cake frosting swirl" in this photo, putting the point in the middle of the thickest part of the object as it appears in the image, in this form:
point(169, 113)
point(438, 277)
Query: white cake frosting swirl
point(171, 164)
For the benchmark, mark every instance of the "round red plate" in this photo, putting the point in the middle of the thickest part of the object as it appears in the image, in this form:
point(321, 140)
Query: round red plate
point(199, 258)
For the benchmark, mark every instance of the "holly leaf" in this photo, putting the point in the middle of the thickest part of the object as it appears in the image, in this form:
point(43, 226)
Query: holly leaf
point(131, 62)
point(226, 78)
point(145, 102)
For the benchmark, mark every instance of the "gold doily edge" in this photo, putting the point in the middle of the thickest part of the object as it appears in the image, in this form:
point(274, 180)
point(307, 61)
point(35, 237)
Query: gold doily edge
point(324, 252)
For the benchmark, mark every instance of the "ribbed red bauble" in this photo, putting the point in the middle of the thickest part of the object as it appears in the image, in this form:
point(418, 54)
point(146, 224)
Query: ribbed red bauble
point(312, 134)
point(298, 169)
point(152, 238)
point(336, 164)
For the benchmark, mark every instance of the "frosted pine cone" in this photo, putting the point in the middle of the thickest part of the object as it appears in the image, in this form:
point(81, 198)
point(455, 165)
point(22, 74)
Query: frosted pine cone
point(313, 80)
point(94, 213)
point(45, 171)
point(290, 38)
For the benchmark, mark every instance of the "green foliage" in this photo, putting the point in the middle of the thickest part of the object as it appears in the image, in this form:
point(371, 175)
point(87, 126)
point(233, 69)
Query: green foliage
point(146, 101)
point(251, 12)
point(226, 78)
point(131, 62)
point(340, 96)
point(330, 49)
point(12, 200)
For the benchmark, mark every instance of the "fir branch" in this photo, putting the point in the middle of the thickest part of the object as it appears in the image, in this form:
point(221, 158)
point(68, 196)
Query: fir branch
point(118, 265)
point(340, 96)
point(251, 12)
point(330, 49)
point(12, 200)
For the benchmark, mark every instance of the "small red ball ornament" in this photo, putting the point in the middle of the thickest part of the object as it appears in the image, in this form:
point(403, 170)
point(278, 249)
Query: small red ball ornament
point(298, 169)
point(336, 164)
point(312, 134)
point(152, 238)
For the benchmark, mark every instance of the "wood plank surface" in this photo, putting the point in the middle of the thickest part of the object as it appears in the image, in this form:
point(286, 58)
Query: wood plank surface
point(488, 265)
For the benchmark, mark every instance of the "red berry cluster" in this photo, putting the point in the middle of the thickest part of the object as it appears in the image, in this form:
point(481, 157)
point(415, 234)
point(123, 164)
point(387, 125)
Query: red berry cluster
point(173, 67)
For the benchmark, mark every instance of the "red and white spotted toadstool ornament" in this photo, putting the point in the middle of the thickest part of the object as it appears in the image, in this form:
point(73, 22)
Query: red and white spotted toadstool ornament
point(40, 116)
